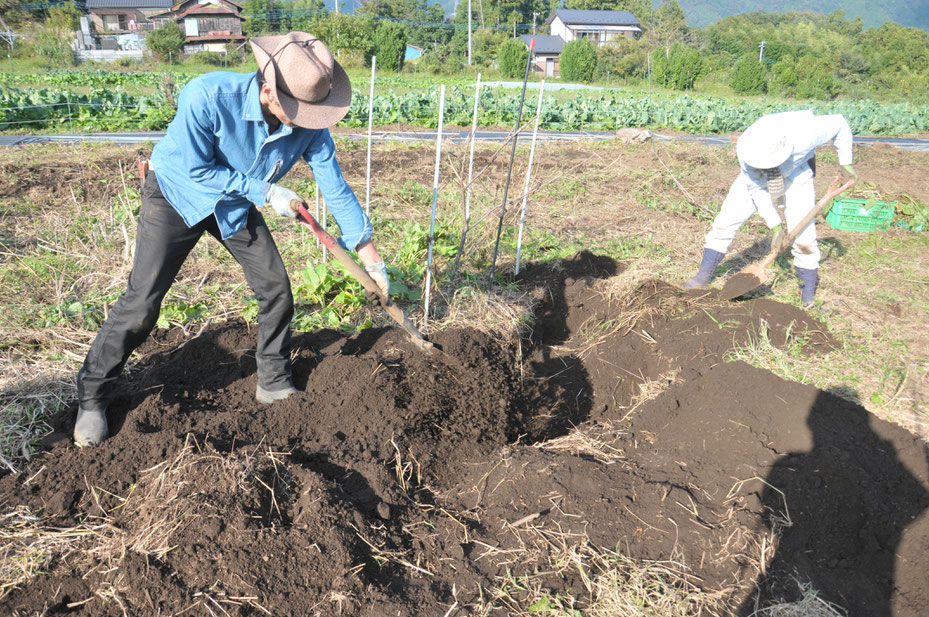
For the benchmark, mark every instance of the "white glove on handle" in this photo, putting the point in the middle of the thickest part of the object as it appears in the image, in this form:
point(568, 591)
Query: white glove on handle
point(280, 198)
point(378, 272)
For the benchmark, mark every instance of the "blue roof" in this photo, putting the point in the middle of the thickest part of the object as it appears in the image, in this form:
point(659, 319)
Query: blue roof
point(601, 18)
point(544, 43)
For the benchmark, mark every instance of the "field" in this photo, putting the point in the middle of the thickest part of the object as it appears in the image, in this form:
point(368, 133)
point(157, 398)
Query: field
point(589, 441)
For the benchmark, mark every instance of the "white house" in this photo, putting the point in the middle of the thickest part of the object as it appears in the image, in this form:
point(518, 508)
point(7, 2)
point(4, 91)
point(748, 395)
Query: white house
point(599, 27)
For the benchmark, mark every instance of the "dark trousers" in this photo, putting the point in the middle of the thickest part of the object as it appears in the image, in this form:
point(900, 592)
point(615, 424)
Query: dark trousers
point(163, 242)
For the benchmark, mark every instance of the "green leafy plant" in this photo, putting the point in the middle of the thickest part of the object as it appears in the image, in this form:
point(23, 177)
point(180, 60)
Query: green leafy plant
point(912, 213)
point(513, 56)
point(166, 42)
point(390, 45)
point(748, 76)
point(578, 61)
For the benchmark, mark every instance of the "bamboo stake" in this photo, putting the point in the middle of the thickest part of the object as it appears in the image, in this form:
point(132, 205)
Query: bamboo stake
point(467, 212)
point(522, 216)
point(370, 128)
point(506, 186)
point(435, 200)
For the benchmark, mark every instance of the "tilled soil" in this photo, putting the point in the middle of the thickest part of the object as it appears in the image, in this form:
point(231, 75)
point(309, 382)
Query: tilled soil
point(494, 474)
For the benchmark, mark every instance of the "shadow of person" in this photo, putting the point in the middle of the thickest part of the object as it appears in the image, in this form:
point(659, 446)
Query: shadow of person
point(849, 499)
point(560, 394)
point(831, 248)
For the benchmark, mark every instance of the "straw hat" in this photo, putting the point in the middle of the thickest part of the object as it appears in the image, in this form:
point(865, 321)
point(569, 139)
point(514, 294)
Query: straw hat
point(312, 88)
point(765, 144)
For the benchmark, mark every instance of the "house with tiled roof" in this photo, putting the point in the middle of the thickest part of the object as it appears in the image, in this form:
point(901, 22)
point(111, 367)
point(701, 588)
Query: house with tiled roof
point(208, 24)
point(118, 17)
point(599, 27)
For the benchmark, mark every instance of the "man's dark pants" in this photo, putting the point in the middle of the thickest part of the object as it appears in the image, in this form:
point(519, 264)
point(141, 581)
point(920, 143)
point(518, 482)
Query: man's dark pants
point(163, 242)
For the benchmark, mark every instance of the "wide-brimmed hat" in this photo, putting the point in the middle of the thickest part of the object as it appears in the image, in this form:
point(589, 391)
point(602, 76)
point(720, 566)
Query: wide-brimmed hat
point(765, 144)
point(312, 88)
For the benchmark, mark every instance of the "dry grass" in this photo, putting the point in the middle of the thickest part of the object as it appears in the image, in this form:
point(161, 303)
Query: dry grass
point(145, 521)
point(611, 583)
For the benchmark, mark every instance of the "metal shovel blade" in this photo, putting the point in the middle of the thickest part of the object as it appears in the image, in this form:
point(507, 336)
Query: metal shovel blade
point(747, 279)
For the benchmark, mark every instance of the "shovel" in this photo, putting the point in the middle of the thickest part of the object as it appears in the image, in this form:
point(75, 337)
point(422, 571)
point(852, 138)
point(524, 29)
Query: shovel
point(395, 312)
point(754, 275)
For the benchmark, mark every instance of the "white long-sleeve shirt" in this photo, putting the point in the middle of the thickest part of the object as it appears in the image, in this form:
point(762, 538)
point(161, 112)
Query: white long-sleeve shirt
point(805, 133)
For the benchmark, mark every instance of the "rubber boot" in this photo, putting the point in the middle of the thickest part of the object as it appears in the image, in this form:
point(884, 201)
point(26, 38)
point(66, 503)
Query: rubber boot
point(269, 396)
point(808, 280)
point(90, 429)
point(711, 259)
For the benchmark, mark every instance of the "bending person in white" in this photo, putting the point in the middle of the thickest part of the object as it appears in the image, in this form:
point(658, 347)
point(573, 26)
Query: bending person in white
point(776, 157)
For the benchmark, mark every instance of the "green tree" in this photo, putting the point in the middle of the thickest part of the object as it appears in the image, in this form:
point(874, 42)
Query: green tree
point(677, 69)
point(256, 15)
point(785, 77)
point(578, 61)
point(513, 56)
point(166, 42)
point(304, 13)
point(54, 38)
point(667, 25)
point(345, 33)
point(390, 45)
point(622, 59)
point(748, 76)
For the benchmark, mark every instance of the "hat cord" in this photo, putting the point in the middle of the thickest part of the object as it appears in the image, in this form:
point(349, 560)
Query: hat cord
point(278, 51)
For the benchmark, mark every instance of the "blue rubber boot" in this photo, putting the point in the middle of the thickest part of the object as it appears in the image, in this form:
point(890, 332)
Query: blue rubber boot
point(702, 279)
point(808, 281)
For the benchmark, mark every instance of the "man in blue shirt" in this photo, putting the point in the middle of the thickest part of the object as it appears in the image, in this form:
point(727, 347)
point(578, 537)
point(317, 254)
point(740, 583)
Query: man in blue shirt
point(233, 138)
point(776, 159)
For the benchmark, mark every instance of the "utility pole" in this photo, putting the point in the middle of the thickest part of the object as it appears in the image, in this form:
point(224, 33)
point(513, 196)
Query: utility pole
point(761, 52)
point(469, 32)
point(534, 13)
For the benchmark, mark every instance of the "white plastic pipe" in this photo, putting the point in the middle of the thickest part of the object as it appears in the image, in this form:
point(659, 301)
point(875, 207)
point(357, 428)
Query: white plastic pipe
point(435, 201)
point(317, 211)
point(477, 95)
point(522, 216)
point(370, 128)
point(322, 221)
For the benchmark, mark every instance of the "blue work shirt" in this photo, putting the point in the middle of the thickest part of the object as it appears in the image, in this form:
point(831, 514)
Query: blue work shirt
point(217, 158)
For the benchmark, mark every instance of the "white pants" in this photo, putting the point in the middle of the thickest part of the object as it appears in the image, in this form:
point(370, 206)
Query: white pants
point(738, 207)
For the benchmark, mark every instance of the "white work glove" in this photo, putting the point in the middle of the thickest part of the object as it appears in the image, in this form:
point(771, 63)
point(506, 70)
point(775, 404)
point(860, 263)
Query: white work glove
point(280, 198)
point(378, 272)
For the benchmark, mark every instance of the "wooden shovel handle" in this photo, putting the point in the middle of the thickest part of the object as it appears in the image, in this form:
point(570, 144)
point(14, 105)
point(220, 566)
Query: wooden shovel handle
point(834, 191)
point(395, 312)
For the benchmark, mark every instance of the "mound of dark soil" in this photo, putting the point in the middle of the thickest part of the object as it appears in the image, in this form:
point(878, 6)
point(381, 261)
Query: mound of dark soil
point(404, 484)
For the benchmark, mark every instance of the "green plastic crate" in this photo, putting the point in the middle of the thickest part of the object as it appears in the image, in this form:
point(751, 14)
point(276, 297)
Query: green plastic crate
point(856, 215)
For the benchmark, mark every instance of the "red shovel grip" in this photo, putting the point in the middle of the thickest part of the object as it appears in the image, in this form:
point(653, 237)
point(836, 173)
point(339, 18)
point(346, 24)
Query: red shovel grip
point(304, 216)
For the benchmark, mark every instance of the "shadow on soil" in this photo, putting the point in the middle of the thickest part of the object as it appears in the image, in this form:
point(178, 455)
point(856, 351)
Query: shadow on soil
point(850, 499)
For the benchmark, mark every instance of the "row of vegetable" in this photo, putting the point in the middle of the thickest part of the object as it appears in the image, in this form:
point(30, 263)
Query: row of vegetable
point(109, 108)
